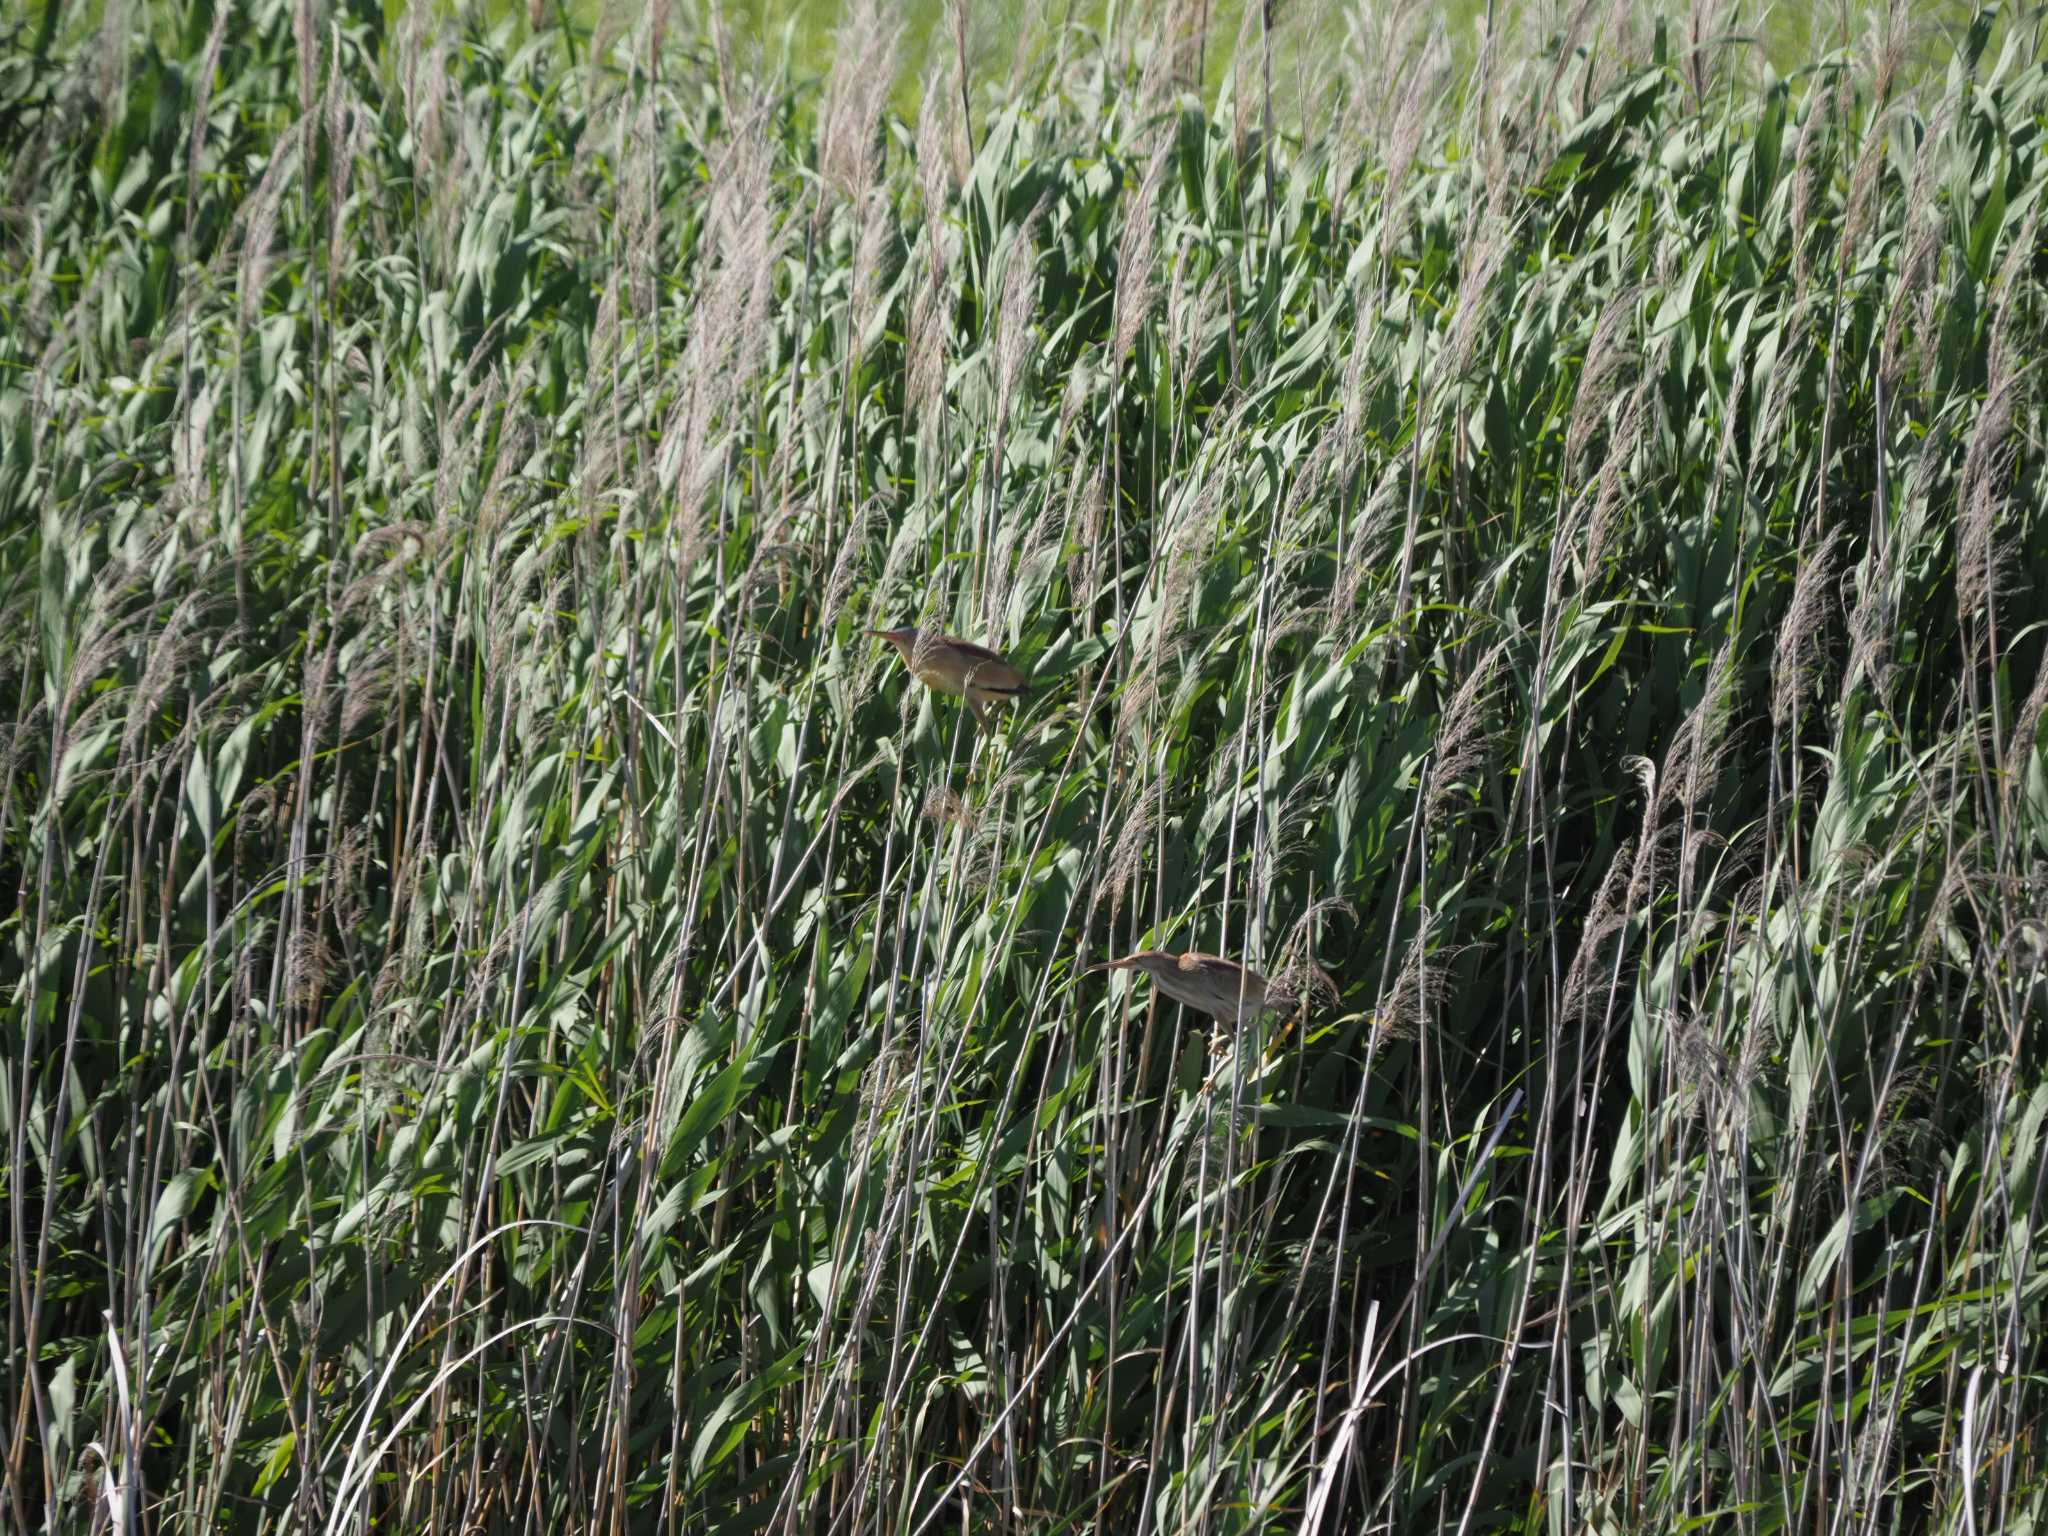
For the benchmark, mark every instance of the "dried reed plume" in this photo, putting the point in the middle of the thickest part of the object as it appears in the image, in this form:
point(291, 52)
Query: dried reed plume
point(1705, 26)
point(1609, 913)
point(849, 134)
point(853, 550)
point(1086, 494)
point(1421, 70)
point(259, 228)
point(1296, 975)
point(1921, 243)
point(1608, 357)
point(1795, 663)
point(1857, 206)
point(1136, 284)
point(1616, 470)
point(944, 806)
point(931, 312)
point(1479, 259)
point(1461, 736)
point(1016, 309)
point(1133, 847)
point(1989, 457)
point(1021, 567)
point(1410, 1004)
point(1805, 173)
point(171, 650)
point(202, 99)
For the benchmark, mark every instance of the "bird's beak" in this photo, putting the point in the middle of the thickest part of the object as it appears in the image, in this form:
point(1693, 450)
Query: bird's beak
point(1111, 965)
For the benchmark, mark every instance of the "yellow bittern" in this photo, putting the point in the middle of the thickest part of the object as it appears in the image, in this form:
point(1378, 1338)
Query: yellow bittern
point(1223, 989)
point(947, 664)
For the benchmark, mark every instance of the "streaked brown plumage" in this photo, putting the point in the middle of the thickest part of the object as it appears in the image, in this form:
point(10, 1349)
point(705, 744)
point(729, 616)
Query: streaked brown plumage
point(947, 664)
point(1209, 984)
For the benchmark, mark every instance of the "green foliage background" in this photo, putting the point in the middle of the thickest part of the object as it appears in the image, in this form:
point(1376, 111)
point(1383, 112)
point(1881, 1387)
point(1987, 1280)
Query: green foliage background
point(518, 1017)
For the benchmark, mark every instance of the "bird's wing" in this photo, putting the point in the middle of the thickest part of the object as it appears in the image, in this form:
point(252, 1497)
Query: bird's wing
point(992, 674)
point(969, 648)
point(1227, 972)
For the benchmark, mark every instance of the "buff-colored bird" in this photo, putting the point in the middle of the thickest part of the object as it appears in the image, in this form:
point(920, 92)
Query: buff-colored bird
point(1223, 989)
point(947, 664)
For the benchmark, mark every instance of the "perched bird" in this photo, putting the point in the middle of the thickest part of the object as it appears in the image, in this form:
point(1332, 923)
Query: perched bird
point(948, 664)
point(1209, 984)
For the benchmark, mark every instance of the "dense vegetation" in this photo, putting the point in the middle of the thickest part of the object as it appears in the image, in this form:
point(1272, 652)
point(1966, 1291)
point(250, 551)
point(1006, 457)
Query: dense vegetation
point(519, 1017)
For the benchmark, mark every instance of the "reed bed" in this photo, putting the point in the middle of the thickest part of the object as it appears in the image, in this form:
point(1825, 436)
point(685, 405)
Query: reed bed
point(519, 1017)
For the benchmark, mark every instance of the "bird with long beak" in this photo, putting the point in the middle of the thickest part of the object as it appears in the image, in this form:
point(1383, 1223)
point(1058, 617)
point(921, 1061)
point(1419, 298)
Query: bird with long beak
point(947, 664)
point(1226, 991)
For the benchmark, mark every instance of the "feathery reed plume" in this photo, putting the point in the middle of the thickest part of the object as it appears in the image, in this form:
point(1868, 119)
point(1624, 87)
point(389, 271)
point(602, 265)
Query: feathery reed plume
point(1243, 92)
point(1136, 284)
point(924, 369)
point(202, 100)
point(1779, 392)
point(304, 46)
point(943, 805)
point(1412, 1000)
point(1715, 1083)
point(1461, 736)
point(1608, 356)
point(1171, 60)
point(171, 650)
point(1795, 659)
point(1619, 50)
point(112, 55)
point(349, 128)
point(1073, 396)
point(1371, 534)
point(1086, 493)
point(863, 68)
point(1989, 458)
point(925, 360)
point(1133, 846)
point(1188, 541)
point(1870, 624)
point(1889, 51)
point(1480, 253)
point(731, 322)
point(1616, 468)
point(1705, 24)
point(189, 443)
point(1023, 561)
point(1421, 76)
point(1571, 41)
point(1689, 781)
point(870, 267)
point(1188, 317)
point(1806, 155)
point(1297, 977)
point(853, 549)
point(913, 527)
point(1016, 309)
point(1609, 912)
point(259, 215)
point(2026, 731)
point(1857, 204)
